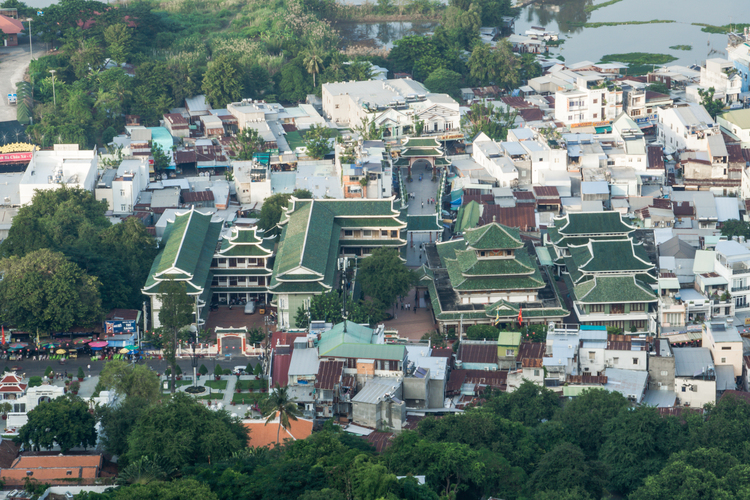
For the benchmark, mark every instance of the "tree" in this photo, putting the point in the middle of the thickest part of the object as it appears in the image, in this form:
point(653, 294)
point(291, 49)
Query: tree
point(130, 380)
point(713, 106)
point(368, 131)
point(418, 126)
point(145, 470)
point(384, 276)
point(529, 404)
point(408, 50)
point(599, 406)
point(43, 291)
point(187, 432)
point(161, 159)
point(491, 120)
point(222, 82)
point(118, 422)
point(258, 369)
point(280, 404)
point(65, 422)
point(247, 143)
point(203, 370)
point(270, 213)
point(218, 370)
point(175, 314)
point(118, 41)
point(498, 65)
point(734, 227)
point(482, 332)
point(178, 489)
point(313, 62)
point(328, 307)
point(427, 65)
point(659, 87)
point(318, 141)
point(445, 81)
point(565, 467)
point(435, 338)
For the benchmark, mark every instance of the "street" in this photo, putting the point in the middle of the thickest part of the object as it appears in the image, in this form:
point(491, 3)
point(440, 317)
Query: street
point(13, 64)
point(31, 368)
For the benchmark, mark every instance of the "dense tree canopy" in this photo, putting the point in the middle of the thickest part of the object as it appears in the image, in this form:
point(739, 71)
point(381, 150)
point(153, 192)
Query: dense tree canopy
point(130, 380)
point(64, 421)
point(45, 292)
point(384, 276)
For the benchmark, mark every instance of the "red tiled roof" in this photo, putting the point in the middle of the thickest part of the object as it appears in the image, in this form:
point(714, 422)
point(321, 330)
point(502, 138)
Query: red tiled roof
point(531, 350)
point(380, 440)
point(11, 378)
point(265, 435)
point(587, 379)
point(735, 153)
point(13, 388)
point(329, 374)
point(655, 96)
point(10, 26)
point(655, 159)
point(495, 379)
point(745, 396)
point(546, 192)
point(176, 119)
point(520, 216)
point(123, 314)
point(677, 411)
point(27, 462)
point(197, 196)
point(524, 196)
point(477, 353)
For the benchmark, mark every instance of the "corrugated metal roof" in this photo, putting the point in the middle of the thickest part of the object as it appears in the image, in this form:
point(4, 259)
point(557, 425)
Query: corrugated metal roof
point(627, 382)
point(304, 362)
point(692, 361)
point(377, 387)
point(470, 352)
point(329, 374)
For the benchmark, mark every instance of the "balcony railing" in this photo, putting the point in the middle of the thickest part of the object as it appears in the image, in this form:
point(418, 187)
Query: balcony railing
point(740, 270)
point(740, 288)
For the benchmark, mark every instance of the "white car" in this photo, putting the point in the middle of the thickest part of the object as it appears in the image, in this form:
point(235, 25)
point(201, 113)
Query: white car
point(250, 307)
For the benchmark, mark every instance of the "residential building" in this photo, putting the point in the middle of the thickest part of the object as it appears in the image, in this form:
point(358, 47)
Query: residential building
point(315, 234)
point(723, 77)
point(426, 378)
point(632, 384)
point(593, 343)
point(673, 310)
point(23, 402)
point(737, 122)
point(661, 366)
point(177, 125)
point(529, 366)
point(333, 391)
point(499, 165)
point(685, 127)
point(733, 264)
point(65, 164)
point(582, 104)
point(53, 469)
point(641, 105)
point(508, 344)
point(363, 350)
point(264, 434)
point(676, 256)
point(187, 249)
point(477, 355)
point(241, 267)
point(724, 341)
point(303, 369)
point(368, 162)
point(630, 145)
point(738, 51)
point(395, 105)
point(121, 188)
point(561, 355)
point(626, 352)
point(11, 28)
point(695, 376)
point(380, 405)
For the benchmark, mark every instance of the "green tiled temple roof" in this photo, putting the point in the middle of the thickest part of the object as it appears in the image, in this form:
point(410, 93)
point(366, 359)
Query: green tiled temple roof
point(414, 152)
point(471, 265)
point(610, 255)
point(493, 236)
point(467, 217)
point(448, 249)
point(423, 223)
point(608, 289)
point(421, 142)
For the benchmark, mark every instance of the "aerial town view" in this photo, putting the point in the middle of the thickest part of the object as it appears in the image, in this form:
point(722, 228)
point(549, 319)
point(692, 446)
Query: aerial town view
point(374, 250)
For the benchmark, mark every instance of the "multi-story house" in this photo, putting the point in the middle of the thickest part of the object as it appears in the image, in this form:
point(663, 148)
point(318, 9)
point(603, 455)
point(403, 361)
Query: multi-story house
point(315, 234)
point(738, 51)
point(723, 77)
point(724, 341)
point(733, 264)
point(241, 267)
point(685, 127)
point(396, 105)
point(694, 376)
point(367, 170)
point(610, 281)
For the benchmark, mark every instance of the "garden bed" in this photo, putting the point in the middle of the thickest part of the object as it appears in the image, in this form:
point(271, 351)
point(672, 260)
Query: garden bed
point(249, 398)
point(220, 385)
point(252, 385)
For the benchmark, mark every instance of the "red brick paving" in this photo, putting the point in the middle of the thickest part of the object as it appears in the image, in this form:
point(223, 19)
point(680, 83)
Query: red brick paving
point(411, 324)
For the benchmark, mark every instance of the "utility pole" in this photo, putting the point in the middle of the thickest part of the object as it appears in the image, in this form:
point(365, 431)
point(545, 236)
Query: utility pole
point(343, 265)
point(54, 96)
point(31, 48)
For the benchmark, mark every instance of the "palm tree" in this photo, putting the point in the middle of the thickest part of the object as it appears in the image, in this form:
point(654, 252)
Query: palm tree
point(280, 403)
point(313, 62)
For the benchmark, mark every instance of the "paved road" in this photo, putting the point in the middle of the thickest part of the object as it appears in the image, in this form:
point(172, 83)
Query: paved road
point(13, 64)
point(31, 368)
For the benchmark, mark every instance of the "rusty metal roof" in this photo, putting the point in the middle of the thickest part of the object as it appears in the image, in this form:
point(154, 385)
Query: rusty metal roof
point(329, 374)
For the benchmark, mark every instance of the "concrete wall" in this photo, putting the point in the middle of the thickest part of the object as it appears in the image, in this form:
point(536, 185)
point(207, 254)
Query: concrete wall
point(417, 391)
point(661, 373)
point(705, 391)
point(437, 392)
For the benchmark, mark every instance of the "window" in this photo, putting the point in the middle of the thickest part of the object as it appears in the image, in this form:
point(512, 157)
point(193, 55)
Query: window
point(597, 308)
point(726, 348)
point(232, 262)
point(595, 101)
point(222, 261)
point(509, 352)
point(232, 281)
point(635, 361)
point(69, 473)
point(637, 307)
point(664, 373)
point(596, 115)
point(384, 233)
point(241, 280)
point(615, 360)
point(348, 232)
point(367, 233)
point(122, 208)
point(592, 356)
point(684, 389)
point(394, 233)
point(122, 192)
point(536, 373)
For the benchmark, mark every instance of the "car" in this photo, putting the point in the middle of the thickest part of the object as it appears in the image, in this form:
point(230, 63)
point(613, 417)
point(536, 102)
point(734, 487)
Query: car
point(250, 307)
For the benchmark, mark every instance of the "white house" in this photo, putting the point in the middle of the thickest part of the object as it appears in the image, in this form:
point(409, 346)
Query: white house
point(395, 105)
point(631, 144)
point(694, 376)
point(25, 400)
point(65, 164)
point(737, 122)
point(685, 127)
point(733, 264)
point(723, 77)
point(724, 341)
point(490, 155)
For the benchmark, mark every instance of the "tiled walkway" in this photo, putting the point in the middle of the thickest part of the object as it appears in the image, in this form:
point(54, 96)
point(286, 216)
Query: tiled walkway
point(423, 191)
point(415, 323)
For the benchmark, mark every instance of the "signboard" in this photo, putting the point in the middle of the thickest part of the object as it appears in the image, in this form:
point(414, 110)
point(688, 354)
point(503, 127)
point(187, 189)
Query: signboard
point(15, 157)
point(120, 326)
point(747, 321)
point(12, 98)
point(589, 124)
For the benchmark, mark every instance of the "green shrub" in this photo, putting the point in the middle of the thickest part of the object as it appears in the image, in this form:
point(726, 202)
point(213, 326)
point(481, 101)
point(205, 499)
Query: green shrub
point(80, 373)
point(203, 370)
point(218, 371)
point(35, 381)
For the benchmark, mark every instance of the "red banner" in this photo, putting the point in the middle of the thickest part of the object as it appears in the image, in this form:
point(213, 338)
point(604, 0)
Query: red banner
point(14, 157)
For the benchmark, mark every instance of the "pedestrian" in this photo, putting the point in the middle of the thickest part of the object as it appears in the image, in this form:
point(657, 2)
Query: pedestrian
point(402, 306)
point(422, 204)
point(415, 309)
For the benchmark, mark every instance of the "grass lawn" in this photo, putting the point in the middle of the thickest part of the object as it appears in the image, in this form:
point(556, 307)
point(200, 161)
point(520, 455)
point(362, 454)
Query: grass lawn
point(254, 385)
point(220, 385)
point(294, 139)
point(213, 396)
point(248, 398)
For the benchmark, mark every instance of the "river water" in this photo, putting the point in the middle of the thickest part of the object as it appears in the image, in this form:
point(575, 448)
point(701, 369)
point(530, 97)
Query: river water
point(593, 43)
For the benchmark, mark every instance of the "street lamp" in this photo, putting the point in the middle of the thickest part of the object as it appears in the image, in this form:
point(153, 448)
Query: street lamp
point(194, 340)
point(54, 97)
point(31, 48)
